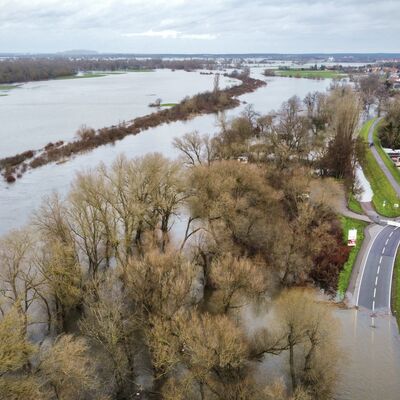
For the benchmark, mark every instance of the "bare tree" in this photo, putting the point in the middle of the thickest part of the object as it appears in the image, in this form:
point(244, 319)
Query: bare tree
point(20, 282)
point(67, 368)
point(304, 328)
point(235, 281)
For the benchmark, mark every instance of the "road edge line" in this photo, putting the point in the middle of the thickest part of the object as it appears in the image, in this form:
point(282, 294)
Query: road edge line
point(364, 264)
point(391, 276)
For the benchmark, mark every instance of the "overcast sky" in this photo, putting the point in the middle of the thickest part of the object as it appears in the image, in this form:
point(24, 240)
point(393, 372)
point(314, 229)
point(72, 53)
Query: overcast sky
point(200, 26)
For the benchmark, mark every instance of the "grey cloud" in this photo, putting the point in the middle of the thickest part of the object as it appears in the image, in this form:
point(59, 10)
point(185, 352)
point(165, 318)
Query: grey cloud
point(233, 25)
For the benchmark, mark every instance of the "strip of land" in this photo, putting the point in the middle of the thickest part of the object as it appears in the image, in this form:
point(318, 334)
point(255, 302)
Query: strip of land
point(203, 103)
point(345, 274)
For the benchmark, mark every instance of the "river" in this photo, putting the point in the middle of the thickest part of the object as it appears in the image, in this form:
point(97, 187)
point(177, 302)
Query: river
point(371, 367)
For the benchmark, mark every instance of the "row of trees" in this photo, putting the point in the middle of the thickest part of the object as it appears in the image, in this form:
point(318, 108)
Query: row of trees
point(317, 132)
point(389, 130)
point(374, 90)
point(35, 69)
point(102, 299)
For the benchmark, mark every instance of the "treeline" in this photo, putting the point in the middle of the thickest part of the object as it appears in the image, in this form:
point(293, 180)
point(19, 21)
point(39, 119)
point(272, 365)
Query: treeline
point(208, 102)
point(389, 128)
point(35, 69)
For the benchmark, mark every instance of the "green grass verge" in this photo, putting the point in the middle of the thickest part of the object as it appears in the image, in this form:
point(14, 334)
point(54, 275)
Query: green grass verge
point(354, 205)
point(384, 197)
point(308, 74)
point(168, 104)
point(396, 289)
point(345, 274)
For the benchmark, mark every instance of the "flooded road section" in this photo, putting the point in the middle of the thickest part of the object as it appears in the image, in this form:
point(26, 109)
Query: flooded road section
point(370, 369)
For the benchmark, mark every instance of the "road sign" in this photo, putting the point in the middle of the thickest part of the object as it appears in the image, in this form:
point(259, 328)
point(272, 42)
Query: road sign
point(352, 238)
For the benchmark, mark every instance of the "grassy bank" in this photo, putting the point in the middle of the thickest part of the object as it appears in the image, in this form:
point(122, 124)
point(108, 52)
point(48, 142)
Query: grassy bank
point(308, 74)
point(384, 197)
point(345, 274)
point(395, 301)
point(354, 205)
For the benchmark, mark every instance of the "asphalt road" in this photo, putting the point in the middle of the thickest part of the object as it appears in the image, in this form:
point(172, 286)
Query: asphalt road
point(375, 286)
point(376, 274)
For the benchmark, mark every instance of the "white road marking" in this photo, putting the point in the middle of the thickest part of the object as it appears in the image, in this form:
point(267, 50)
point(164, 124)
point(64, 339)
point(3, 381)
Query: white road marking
point(376, 280)
point(391, 234)
point(364, 264)
point(383, 249)
point(379, 268)
point(387, 241)
point(374, 292)
point(373, 305)
point(380, 260)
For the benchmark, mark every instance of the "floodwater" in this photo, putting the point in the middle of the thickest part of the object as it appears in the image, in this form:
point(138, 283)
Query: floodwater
point(19, 200)
point(369, 348)
point(37, 113)
point(371, 369)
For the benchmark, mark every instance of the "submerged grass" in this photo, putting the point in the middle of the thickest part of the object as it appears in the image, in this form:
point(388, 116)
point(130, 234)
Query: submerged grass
point(345, 274)
point(168, 104)
point(8, 87)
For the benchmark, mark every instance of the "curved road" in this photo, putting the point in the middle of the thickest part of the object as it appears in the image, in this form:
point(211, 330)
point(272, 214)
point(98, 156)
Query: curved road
point(374, 289)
